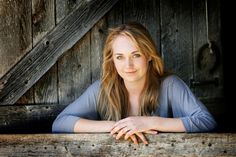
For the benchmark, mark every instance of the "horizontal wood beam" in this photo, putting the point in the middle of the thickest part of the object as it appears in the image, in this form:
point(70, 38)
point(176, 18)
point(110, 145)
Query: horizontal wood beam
point(45, 54)
point(163, 144)
point(37, 118)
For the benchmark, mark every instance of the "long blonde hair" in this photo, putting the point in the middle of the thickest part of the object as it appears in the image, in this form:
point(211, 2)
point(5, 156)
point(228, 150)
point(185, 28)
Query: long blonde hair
point(113, 101)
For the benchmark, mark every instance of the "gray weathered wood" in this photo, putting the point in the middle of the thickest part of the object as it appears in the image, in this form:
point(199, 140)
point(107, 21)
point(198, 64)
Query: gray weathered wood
point(27, 98)
point(200, 39)
point(74, 71)
point(15, 33)
point(209, 91)
point(145, 12)
point(50, 48)
point(161, 145)
point(65, 7)
point(98, 34)
point(176, 37)
point(115, 16)
point(45, 90)
point(43, 19)
point(28, 118)
point(74, 66)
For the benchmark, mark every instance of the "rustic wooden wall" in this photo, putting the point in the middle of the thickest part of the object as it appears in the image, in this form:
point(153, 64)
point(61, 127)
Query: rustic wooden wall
point(15, 32)
point(179, 29)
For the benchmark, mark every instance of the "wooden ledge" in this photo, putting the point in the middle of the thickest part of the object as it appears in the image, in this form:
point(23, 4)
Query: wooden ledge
point(162, 144)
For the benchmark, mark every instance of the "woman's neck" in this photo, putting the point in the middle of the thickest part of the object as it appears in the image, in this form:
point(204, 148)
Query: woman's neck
point(135, 88)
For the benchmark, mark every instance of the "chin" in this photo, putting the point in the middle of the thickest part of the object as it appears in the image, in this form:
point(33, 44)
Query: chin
point(129, 79)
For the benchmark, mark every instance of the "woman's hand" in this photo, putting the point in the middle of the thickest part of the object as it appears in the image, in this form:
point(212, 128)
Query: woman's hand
point(133, 127)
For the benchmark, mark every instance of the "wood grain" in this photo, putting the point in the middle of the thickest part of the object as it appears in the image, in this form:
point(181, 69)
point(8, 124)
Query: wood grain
point(98, 35)
point(43, 19)
point(45, 54)
point(176, 37)
point(28, 118)
point(161, 145)
point(15, 33)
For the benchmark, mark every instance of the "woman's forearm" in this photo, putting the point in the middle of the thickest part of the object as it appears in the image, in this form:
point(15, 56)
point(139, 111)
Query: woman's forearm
point(167, 124)
point(85, 125)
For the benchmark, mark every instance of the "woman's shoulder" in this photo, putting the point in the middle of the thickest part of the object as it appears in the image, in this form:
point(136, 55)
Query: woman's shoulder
point(93, 88)
point(95, 85)
point(171, 79)
point(174, 83)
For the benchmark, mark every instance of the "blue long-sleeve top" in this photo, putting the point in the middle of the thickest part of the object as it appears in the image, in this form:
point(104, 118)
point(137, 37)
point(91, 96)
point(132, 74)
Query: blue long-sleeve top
point(175, 101)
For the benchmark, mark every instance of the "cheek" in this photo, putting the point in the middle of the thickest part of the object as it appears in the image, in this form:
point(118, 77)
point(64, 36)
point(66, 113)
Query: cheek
point(142, 63)
point(117, 65)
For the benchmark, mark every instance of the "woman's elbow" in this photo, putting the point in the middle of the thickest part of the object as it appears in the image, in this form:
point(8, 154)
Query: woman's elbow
point(200, 124)
point(212, 126)
point(209, 125)
point(64, 124)
point(55, 126)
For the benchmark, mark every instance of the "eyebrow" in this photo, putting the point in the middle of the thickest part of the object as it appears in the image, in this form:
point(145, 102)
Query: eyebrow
point(122, 53)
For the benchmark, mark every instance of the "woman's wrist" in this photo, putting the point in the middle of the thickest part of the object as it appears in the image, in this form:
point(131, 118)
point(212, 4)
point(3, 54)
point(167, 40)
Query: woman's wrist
point(85, 125)
point(153, 123)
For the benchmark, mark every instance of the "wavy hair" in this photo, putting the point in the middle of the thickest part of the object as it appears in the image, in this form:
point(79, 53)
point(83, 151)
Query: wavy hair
point(113, 100)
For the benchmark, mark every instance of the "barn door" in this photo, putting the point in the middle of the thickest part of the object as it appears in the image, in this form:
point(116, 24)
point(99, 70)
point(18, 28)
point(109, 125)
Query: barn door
point(191, 48)
point(207, 80)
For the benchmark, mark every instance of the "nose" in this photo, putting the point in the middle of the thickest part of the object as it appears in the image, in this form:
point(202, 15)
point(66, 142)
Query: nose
point(129, 62)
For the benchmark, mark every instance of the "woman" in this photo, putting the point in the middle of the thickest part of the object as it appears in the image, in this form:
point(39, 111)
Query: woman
point(135, 96)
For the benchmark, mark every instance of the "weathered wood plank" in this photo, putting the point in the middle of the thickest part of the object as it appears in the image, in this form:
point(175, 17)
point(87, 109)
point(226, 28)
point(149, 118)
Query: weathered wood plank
point(28, 118)
point(15, 32)
point(163, 145)
point(74, 66)
point(200, 34)
point(145, 12)
point(214, 33)
point(43, 18)
point(74, 71)
point(50, 48)
point(15, 37)
point(176, 37)
point(115, 16)
point(65, 7)
point(45, 90)
point(207, 24)
point(98, 34)
point(184, 64)
point(27, 98)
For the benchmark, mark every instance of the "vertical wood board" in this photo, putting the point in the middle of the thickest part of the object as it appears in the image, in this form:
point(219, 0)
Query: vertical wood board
point(15, 32)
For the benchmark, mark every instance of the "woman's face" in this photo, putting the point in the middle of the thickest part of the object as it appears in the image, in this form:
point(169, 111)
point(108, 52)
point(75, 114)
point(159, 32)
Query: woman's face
point(130, 64)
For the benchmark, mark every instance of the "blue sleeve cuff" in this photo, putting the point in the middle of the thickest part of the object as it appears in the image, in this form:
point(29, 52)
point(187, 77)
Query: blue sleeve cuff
point(193, 124)
point(186, 123)
point(64, 124)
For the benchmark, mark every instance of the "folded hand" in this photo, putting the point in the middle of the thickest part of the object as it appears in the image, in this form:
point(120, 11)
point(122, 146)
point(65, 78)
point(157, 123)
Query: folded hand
point(133, 127)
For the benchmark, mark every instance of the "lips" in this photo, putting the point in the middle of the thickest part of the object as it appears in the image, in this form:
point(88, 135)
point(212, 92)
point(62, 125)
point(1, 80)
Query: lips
point(130, 72)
